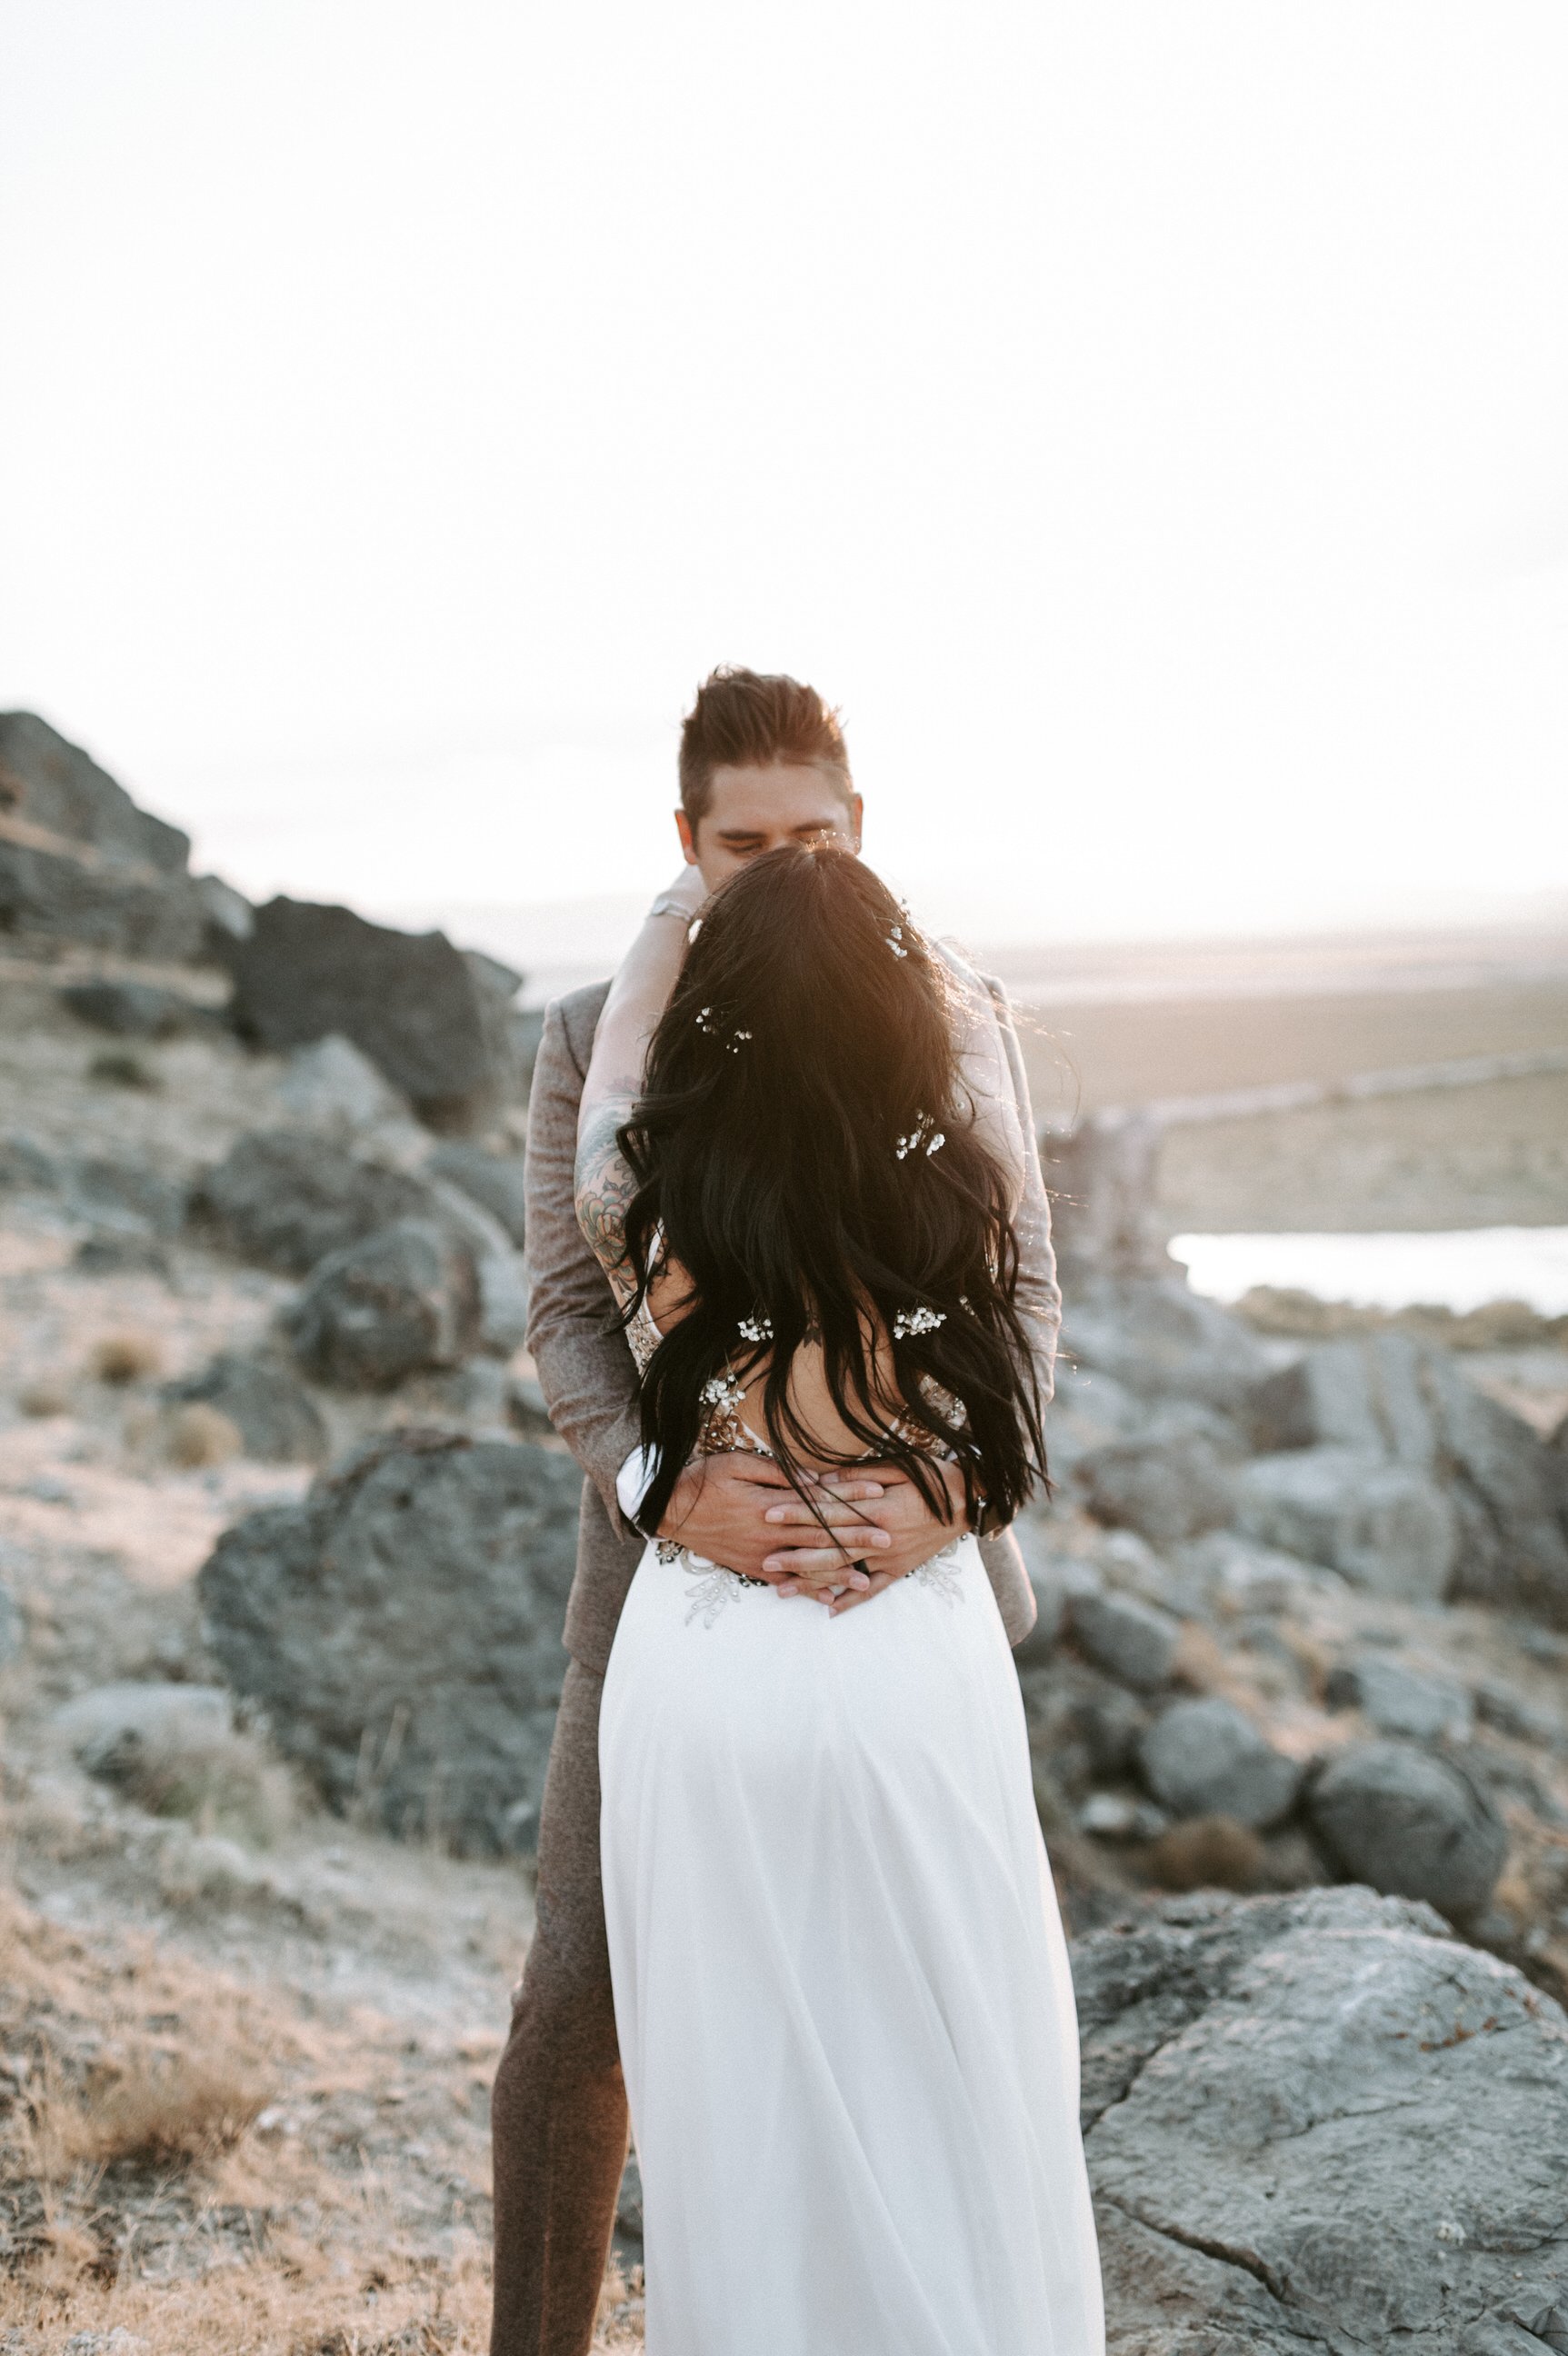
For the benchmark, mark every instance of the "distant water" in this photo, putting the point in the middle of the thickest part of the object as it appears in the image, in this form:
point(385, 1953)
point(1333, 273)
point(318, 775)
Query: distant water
point(1459, 1270)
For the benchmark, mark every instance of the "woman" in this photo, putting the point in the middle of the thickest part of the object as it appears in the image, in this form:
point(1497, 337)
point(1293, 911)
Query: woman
point(841, 1986)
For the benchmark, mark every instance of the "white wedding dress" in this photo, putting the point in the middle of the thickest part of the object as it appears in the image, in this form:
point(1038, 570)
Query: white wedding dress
point(840, 1984)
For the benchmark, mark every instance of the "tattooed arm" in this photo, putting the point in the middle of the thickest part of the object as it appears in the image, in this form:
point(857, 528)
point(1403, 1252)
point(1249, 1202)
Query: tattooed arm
point(638, 995)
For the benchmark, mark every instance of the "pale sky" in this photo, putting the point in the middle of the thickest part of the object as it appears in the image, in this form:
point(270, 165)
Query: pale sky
point(1145, 419)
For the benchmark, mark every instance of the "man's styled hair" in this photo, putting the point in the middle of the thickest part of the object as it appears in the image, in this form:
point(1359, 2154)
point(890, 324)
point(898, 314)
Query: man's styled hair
point(746, 720)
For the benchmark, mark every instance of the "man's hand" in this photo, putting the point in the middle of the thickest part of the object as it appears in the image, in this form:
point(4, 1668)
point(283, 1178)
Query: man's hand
point(910, 1533)
point(720, 1508)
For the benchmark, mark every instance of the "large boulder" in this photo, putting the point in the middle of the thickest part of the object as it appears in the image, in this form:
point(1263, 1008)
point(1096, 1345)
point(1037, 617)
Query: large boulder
point(276, 1419)
point(1410, 1823)
point(78, 861)
point(1103, 1182)
point(1205, 1759)
point(1319, 2122)
point(402, 1629)
point(1161, 1340)
point(1166, 1490)
point(1402, 1701)
point(1130, 1640)
point(286, 1197)
point(1389, 1528)
point(432, 1018)
point(403, 1301)
point(1385, 1395)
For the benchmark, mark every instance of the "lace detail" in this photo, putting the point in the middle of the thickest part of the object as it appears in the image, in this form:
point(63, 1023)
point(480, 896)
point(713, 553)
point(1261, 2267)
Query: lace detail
point(713, 1586)
point(942, 1574)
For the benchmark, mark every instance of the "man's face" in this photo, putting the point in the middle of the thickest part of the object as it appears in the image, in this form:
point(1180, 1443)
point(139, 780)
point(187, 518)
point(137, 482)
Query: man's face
point(752, 810)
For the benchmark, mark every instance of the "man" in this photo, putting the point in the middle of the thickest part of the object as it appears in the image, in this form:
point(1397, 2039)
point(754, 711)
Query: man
point(762, 763)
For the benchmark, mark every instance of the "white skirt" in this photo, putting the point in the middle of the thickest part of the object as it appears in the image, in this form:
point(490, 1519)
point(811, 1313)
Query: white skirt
point(840, 1984)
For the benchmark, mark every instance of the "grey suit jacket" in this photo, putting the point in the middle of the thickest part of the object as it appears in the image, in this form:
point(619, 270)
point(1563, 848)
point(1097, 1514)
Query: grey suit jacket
point(586, 1371)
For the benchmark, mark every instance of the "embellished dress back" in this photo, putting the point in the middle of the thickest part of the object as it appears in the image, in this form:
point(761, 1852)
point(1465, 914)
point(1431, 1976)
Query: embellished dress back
point(842, 1988)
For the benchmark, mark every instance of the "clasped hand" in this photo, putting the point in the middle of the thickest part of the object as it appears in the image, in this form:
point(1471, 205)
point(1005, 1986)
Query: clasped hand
point(858, 1533)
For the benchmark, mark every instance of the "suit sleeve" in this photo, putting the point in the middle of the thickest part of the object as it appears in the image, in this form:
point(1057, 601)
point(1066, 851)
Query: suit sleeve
point(585, 1369)
point(1038, 1300)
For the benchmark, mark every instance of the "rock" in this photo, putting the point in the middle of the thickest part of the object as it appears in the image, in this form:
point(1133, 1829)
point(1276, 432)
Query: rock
point(1130, 1641)
point(128, 1195)
point(1161, 1340)
point(1316, 2122)
point(1387, 1394)
point(1103, 1182)
point(112, 1730)
point(79, 860)
point(26, 1168)
point(133, 1010)
point(330, 1085)
point(402, 1628)
point(1388, 1527)
point(432, 1020)
point(401, 1301)
point(1204, 1759)
point(1056, 1579)
point(1239, 1575)
point(1410, 1823)
point(228, 914)
point(503, 1287)
point(12, 1631)
point(1400, 1700)
point(287, 1197)
point(494, 1181)
point(116, 1253)
point(1114, 1817)
point(276, 1419)
point(1166, 1490)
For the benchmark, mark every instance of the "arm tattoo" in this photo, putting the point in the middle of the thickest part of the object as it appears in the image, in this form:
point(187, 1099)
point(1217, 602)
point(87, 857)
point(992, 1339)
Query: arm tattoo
point(604, 1188)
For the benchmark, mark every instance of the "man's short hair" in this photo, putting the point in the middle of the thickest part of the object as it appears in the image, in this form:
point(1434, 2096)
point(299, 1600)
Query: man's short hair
point(746, 720)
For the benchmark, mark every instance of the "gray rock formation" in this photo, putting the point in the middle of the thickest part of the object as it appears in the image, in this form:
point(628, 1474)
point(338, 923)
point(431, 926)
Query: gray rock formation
point(287, 1197)
point(1102, 1181)
point(11, 1629)
point(1163, 1341)
point(402, 1629)
point(1319, 2122)
point(1166, 1490)
point(1205, 1759)
point(403, 1301)
point(78, 861)
point(1410, 1823)
point(493, 1179)
point(1401, 1700)
point(331, 1086)
point(274, 1414)
point(432, 1019)
point(1134, 1642)
point(134, 1010)
point(1389, 1528)
point(1386, 1395)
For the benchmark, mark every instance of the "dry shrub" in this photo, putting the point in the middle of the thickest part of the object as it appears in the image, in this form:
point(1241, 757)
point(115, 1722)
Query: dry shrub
point(126, 1358)
point(198, 1434)
point(1208, 1853)
point(1495, 1325)
point(231, 1785)
point(45, 1397)
point(163, 2109)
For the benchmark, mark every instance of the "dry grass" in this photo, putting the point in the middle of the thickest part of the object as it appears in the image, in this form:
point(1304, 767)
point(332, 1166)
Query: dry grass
point(232, 1786)
point(127, 1357)
point(1208, 1853)
point(197, 1434)
point(45, 1397)
point(217, 2170)
point(1495, 1325)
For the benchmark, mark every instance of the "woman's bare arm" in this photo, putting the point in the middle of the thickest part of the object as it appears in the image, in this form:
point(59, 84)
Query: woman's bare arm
point(638, 997)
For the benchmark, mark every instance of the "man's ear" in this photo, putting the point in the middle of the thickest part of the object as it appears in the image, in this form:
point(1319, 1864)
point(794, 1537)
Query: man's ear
point(688, 840)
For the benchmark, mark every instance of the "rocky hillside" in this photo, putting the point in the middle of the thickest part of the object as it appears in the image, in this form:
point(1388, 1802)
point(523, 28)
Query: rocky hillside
point(285, 1541)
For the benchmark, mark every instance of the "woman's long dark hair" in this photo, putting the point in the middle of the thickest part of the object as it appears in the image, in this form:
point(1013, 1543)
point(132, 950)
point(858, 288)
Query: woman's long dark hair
point(810, 1036)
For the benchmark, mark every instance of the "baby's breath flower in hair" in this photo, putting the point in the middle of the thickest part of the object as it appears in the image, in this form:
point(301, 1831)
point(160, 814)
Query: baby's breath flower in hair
point(910, 1321)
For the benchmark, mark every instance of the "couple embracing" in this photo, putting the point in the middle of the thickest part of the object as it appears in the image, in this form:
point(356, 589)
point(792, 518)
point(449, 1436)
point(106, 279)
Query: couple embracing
point(794, 1311)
